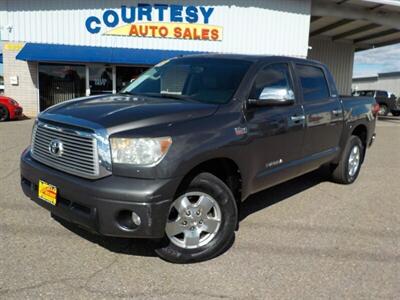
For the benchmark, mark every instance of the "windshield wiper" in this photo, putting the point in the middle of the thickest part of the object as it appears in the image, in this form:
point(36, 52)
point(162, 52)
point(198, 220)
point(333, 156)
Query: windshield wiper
point(169, 96)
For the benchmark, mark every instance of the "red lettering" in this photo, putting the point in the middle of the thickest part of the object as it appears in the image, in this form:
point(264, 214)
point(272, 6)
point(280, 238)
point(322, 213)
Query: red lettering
point(153, 30)
point(178, 32)
point(196, 36)
point(163, 31)
point(133, 30)
point(187, 34)
point(205, 34)
point(214, 34)
point(143, 30)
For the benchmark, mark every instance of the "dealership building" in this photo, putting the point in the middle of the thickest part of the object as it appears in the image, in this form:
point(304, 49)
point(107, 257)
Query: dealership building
point(56, 50)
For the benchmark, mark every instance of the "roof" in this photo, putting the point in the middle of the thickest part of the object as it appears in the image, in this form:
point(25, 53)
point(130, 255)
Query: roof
point(365, 23)
point(89, 54)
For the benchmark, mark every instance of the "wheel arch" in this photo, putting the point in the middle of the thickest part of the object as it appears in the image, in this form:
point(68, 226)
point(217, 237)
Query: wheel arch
point(224, 168)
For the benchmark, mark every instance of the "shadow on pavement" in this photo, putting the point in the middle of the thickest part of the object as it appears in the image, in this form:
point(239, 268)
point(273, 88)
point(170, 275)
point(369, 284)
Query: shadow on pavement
point(255, 203)
point(281, 192)
point(139, 247)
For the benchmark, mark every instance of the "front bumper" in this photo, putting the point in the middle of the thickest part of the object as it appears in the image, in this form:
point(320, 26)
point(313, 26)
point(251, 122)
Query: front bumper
point(16, 112)
point(103, 206)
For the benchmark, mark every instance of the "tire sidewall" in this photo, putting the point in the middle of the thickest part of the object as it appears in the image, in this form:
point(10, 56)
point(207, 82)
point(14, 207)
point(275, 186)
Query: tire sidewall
point(385, 111)
point(354, 141)
point(211, 185)
point(7, 113)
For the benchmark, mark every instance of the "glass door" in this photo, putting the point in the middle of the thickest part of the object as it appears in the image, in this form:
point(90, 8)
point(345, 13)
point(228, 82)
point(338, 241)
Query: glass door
point(100, 79)
point(58, 83)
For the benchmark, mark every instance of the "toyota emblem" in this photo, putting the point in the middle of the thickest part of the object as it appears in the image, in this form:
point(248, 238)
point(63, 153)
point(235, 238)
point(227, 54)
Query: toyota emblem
point(56, 148)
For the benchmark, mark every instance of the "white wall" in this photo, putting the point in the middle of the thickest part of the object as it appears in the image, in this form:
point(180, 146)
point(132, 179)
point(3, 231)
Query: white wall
point(339, 57)
point(275, 27)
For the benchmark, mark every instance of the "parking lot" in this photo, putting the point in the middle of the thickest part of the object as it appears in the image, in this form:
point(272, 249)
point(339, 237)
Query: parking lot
point(308, 238)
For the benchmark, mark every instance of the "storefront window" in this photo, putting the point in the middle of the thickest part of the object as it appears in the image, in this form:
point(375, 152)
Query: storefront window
point(58, 83)
point(126, 75)
point(100, 79)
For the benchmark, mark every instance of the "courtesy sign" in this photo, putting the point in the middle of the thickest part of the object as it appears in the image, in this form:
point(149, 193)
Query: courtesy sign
point(157, 21)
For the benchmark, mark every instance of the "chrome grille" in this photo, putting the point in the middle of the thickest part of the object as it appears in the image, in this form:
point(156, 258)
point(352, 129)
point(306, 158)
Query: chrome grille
point(79, 150)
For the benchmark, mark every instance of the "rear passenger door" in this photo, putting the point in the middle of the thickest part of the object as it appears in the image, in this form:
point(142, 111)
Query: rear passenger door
point(322, 109)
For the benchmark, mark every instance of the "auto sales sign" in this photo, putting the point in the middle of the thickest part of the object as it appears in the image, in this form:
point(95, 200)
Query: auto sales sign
point(157, 21)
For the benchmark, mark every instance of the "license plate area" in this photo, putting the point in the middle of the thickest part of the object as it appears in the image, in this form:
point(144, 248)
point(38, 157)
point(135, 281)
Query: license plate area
point(47, 192)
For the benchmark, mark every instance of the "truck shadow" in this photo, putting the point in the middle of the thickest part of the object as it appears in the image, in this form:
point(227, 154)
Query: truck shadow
point(255, 203)
point(281, 192)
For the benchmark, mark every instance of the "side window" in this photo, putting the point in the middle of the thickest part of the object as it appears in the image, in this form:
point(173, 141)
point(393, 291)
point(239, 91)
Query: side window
point(313, 82)
point(382, 94)
point(273, 76)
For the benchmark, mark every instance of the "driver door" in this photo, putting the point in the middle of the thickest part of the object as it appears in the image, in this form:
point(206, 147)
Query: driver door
point(276, 131)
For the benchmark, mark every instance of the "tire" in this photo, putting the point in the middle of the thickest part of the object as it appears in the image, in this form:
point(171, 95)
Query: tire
point(190, 214)
point(384, 110)
point(346, 172)
point(396, 113)
point(4, 113)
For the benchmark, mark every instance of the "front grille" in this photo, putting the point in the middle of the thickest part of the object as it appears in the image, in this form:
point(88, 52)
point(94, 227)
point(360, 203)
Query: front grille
point(79, 150)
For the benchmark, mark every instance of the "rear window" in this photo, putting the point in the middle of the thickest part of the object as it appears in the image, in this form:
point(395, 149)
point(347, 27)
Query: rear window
point(365, 93)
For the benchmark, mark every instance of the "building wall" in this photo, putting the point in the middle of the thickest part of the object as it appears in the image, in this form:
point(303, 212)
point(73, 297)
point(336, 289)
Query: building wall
point(390, 84)
point(274, 27)
point(339, 57)
point(26, 91)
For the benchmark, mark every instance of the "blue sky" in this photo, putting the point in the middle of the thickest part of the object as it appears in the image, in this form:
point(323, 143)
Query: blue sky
point(379, 60)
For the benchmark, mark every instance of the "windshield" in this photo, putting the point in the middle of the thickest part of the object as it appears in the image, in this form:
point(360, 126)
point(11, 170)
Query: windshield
point(208, 80)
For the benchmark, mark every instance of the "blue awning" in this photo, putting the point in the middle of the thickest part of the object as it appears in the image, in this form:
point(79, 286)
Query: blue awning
point(1, 58)
point(89, 54)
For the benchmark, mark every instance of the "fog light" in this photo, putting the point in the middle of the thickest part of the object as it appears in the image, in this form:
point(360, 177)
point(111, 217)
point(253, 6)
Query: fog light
point(136, 219)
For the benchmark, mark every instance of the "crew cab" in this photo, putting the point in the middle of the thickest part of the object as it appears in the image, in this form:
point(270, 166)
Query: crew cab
point(388, 102)
point(173, 155)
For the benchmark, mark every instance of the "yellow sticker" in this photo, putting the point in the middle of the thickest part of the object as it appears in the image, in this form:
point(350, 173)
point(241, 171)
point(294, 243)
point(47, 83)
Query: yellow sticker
point(47, 192)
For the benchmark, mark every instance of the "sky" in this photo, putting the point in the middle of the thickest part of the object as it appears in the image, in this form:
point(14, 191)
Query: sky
point(374, 61)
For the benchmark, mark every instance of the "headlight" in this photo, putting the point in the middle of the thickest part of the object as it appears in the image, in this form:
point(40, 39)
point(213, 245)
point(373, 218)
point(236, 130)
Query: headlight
point(139, 151)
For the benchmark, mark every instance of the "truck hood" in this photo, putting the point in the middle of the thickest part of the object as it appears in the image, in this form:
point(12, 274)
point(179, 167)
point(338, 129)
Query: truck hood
point(127, 111)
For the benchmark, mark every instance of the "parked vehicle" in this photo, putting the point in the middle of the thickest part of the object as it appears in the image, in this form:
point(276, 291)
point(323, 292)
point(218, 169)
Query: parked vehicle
point(387, 101)
point(173, 155)
point(9, 109)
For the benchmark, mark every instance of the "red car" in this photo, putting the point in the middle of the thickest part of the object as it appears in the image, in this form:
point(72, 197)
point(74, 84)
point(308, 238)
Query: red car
point(9, 109)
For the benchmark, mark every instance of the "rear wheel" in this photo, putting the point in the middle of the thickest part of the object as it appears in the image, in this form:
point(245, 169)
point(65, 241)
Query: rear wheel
point(201, 221)
point(347, 170)
point(383, 110)
point(4, 113)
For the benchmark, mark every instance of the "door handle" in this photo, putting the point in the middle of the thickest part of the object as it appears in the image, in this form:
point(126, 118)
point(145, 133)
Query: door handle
point(298, 118)
point(337, 112)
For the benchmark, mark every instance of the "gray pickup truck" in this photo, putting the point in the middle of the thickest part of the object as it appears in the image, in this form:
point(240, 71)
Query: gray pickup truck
point(173, 155)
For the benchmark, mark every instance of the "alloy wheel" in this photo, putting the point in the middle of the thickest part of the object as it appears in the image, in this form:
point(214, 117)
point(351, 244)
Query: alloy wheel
point(194, 220)
point(354, 160)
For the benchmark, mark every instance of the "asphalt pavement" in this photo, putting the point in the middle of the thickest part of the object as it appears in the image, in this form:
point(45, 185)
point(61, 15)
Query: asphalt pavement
point(305, 239)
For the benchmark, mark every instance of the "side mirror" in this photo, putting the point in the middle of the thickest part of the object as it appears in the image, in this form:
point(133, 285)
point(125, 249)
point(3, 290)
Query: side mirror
point(271, 96)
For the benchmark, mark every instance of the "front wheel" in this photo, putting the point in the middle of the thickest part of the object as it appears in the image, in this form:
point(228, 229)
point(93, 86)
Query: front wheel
point(349, 166)
point(383, 110)
point(4, 114)
point(201, 221)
